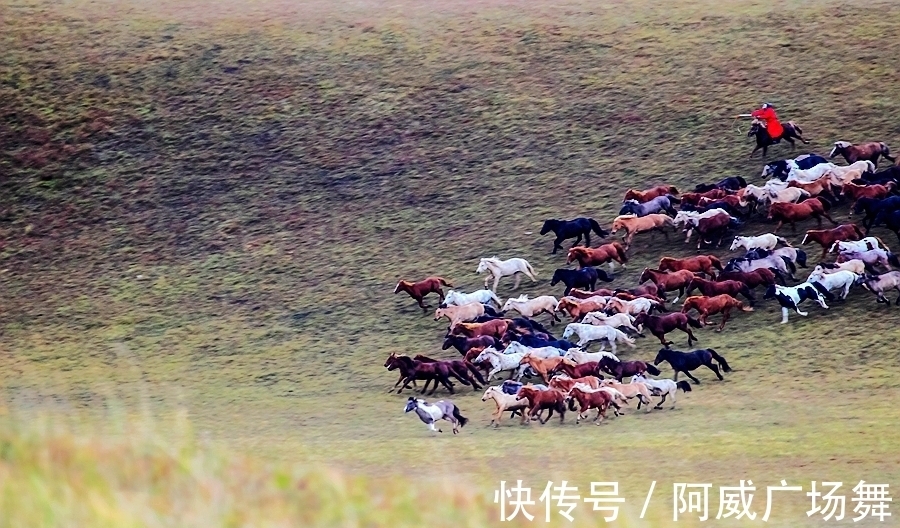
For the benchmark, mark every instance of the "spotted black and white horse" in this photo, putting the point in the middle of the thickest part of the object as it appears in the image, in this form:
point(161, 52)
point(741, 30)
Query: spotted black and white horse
point(439, 410)
point(790, 297)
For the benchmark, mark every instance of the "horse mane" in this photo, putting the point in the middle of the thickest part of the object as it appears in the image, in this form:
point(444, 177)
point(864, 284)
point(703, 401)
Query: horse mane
point(522, 298)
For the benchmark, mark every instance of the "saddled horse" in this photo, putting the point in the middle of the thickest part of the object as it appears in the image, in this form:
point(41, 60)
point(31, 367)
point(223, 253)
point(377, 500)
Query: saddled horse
point(660, 325)
point(791, 132)
point(577, 228)
point(656, 205)
point(688, 361)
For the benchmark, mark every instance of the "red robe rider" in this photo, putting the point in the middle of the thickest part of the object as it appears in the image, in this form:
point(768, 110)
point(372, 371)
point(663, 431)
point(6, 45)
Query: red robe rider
point(766, 114)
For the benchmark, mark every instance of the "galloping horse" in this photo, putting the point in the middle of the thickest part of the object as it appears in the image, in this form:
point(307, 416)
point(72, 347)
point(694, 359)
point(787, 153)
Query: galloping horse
point(698, 264)
point(790, 212)
point(440, 410)
point(764, 140)
point(418, 290)
point(538, 400)
point(621, 369)
point(634, 225)
point(579, 227)
point(649, 194)
point(667, 281)
point(597, 256)
point(688, 361)
point(497, 268)
point(660, 325)
point(711, 288)
point(716, 304)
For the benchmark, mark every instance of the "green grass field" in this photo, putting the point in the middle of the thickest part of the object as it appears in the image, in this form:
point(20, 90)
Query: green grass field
point(206, 206)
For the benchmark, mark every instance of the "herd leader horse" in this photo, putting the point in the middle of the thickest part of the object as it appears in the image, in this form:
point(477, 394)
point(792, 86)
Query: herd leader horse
point(418, 290)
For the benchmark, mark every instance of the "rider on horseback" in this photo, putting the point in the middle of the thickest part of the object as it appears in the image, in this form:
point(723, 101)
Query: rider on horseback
point(767, 117)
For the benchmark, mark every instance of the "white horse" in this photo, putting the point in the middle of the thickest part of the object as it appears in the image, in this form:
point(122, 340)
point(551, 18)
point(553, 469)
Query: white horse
point(766, 241)
point(531, 307)
point(632, 307)
point(787, 195)
point(580, 357)
point(587, 333)
point(870, 257)
point(616, 321)
point(497, 268)
point(865, 244)
point(458, 298)
point(662, 387)
point(855, 265)
point(833, 281)
point(808, 175)
point(501, 362)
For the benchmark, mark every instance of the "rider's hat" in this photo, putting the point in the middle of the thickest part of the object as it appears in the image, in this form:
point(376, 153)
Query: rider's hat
point(768, 105)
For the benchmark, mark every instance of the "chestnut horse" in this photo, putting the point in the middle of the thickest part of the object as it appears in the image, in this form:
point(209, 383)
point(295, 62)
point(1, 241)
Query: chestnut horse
point(667, 281)
point(418, 290)
point(597, 256)
point(646, 289)
point(757, 277)
point(694, 198)
point(573, 370)
point(855, 192)
point(590, 399)
point(584, 294)
point(565, 383)
point(495, 328)
point(716, 304)
point(621, 369)
point(538, 400)
point(577, 310)
point(790, 212)
point(711, 288)
point(660, 325)
point(633, 225)
point(649, 194)
point(543, 367)
point(698, 264)
point(828, 237)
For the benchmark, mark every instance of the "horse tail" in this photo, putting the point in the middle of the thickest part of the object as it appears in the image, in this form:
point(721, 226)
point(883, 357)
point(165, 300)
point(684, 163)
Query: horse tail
point(683, 385)
point(694, 322)
point(790, 264)
point(595, 226)
point(715, 355)
point(459, 417)
point(742, 181)
point(796, 127)
point(825, 203)
point(652, 369)
point(444, 282)
point(530, 269)
point(496, 299)
point(716, 262)
point(475, 372)
point(673, 199)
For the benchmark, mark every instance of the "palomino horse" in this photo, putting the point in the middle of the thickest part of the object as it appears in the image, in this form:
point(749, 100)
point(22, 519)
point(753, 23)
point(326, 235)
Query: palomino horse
point(634, 225)
point(649, 194)
point(539, 400)
point(700, 264)
point(630, 390)
point(505, 402)
point(418, 290)
point(663, 387)
point(723, 304)
point(793, 213)
point(460, 314)
point(828, 237)
point(660, 325)
point(532, 307)
point(440, 410)
point(497, 268)
point(667, 281)
point(764, 140)
point(688, 361)
point(585, 256)
point(543, 367)
point(579, 227)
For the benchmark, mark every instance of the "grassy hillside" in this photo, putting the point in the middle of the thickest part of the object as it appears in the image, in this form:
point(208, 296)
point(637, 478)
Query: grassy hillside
point(208, 205)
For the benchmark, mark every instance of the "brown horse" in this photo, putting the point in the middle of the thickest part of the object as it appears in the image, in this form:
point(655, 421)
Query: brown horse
point(660, 325)
point(565, 383)
point(544, 367)
point(577, 310)
point(587, 400)
point(875, 191)
point(494, 328)
point(650, 289)
point(418, 290)
point(649, 194)
point(573, 370)
point(461, 369)
point(827, 237)
point(716, 304)
point(411, 370)
point(667, 281)
point(732, 200)
point(711, 288)
point(714, 226)
point(584, 294)
point(598, 256)
point(694, 198)
point(538, 400)
point(641, 224)
point(698, 264)
point(790, 212)
point(622, 369)
point(757, 277)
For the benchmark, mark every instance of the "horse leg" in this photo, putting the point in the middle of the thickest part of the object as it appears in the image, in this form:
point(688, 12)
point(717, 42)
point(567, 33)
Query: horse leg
point(664, 396)
point(688, 374)
point(518, 280)
point(784, 315)
point(421, 302)
point(711, 366)
point(780, 222)
point(496, 282)
point(557, 244)
point(446, 381)
point(724, 319)
point(577, 240)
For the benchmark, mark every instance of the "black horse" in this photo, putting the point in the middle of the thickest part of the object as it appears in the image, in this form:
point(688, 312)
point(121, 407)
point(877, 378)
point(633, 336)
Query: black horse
point(463, 344)
point(891, 174)
point(536, 342)
point(580, 227)
point(688, 361)
point(731, 183)
point(524, 325)
point(780, 169)
point(890, 219)
point(585, 278)
point(873, 207)
point(764, 140)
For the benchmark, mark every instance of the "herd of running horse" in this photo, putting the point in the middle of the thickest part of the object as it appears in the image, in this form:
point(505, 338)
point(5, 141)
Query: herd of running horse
point(491, 342)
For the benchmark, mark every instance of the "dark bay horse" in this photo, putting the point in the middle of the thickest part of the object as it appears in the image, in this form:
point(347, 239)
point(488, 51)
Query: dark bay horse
point(660, 325)
point(622, 369)
point(688, 361)
point(791, 132)
point(585, 278)
point(580, 227)
point(411, 370)
point(463, 344)
point(461, 369)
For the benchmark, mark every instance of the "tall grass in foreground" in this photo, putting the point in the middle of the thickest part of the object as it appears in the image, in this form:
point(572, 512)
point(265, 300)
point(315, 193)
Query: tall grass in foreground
point(53, 474)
